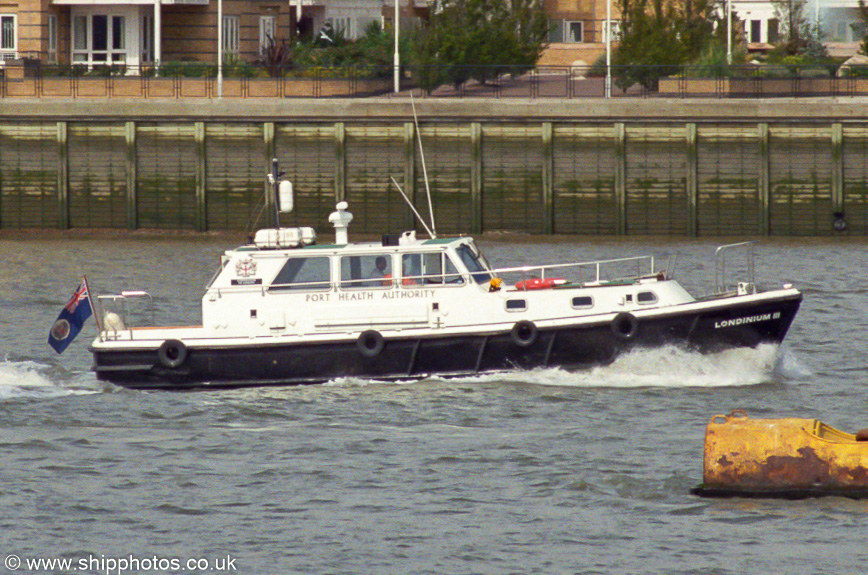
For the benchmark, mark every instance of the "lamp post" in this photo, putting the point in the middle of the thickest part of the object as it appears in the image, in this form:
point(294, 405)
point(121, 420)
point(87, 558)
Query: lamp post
point(729, 31)
point(397, 29)
point(219, 48)
point(608, 48)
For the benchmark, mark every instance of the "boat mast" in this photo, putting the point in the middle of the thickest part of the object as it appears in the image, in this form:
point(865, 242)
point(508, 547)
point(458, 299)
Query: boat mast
point(274, 180)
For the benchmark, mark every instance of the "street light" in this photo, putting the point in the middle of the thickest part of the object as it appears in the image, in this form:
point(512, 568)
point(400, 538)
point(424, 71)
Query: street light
point(729, 31)
point(219, 48)
point(608, 48)
point(397, 29)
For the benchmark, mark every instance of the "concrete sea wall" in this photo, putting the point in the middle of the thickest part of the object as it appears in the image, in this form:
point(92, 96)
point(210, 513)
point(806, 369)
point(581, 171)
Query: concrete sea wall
point(652, 166)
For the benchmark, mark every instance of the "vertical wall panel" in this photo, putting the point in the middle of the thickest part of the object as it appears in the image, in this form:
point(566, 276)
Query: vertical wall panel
point(307, 155)
point(448, 158)
point(166, 172)
point(28, 175)
point(374, 153)
point(800, 180)
point(97, 175)
point(512, 178)
point(584, 179)
point(235, 170)
point(728, 176)
point(656, 179)
point(856, 178)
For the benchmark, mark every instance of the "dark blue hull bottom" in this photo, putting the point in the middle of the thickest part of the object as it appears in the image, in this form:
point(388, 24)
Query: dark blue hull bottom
point(573, 347)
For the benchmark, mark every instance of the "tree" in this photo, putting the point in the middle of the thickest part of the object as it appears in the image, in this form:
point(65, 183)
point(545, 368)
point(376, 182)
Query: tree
point(798, 36)
point(659, 36)
point(863, 28)
point(480, 39)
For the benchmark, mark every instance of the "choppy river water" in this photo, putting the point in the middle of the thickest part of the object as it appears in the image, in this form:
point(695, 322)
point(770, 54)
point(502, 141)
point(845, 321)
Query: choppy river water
point(537, 472)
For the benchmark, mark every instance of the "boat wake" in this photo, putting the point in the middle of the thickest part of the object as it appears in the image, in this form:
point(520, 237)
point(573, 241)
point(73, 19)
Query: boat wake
point(673, 366)
point(669, 366)
point(31, 379)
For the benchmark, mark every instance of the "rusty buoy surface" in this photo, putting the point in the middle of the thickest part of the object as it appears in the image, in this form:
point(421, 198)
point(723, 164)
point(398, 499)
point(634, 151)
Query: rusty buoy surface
point(782, 458)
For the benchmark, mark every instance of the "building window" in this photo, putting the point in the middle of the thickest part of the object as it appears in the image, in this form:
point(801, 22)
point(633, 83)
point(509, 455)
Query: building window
point(772, 36)
point(52, 39)
point(616, 30)
point(147, 36)
point(755, 30)
point(231, 30)
point(267, 32)
point(341, 27)
point(79, 39)
point(99, 39)
point(8, 36)
point(574, 32)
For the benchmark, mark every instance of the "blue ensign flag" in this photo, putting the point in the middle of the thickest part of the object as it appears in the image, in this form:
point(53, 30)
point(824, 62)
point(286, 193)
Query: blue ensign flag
point(71, 318)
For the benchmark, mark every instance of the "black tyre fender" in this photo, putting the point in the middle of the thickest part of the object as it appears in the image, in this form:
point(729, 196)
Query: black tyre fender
point(172, 353)
point(370, 343)
point(625, 326)
point(524, 333)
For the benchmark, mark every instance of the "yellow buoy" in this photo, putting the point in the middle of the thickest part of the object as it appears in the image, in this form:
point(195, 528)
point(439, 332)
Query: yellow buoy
point(782, 458)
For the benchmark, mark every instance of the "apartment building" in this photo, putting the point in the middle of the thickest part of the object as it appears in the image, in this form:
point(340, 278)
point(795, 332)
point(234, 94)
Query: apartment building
point(838, 21)
point(577, 33)
point(141, 32)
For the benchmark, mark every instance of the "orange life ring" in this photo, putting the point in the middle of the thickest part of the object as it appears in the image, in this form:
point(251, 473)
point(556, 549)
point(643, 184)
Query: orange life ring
point(539, 283)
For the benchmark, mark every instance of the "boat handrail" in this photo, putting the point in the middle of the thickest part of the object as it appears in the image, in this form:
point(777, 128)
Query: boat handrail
point(721, 283)
point(121, 300)
point(597, 265)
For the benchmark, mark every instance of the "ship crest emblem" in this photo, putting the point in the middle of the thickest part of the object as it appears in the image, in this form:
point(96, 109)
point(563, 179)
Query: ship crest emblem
point(245, 268)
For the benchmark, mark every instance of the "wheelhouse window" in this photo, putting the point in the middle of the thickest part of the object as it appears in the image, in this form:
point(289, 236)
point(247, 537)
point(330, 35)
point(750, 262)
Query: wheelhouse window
point(303, 274)
point(429, 269)
point(366, 272)
point(516, 305)
point(8, 34)
point(474, 263)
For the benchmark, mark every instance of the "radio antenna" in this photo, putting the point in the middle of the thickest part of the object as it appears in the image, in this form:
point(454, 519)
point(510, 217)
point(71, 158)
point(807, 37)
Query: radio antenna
point(424, 170)
point(409, 203)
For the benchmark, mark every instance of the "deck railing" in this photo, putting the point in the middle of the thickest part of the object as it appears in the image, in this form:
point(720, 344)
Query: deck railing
point(621, 270)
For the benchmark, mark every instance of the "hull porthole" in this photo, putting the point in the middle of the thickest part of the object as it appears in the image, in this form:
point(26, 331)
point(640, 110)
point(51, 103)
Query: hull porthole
point(625, 325)
point(172, 353)
point(370, 343)
point(524, 333)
